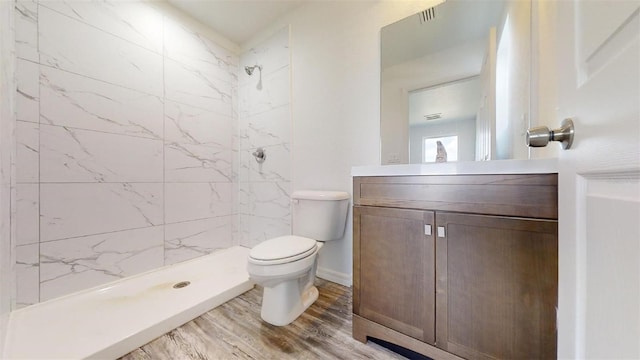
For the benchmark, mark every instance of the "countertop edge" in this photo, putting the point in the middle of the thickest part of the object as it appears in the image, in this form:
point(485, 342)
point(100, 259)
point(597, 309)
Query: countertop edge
point(534, 166)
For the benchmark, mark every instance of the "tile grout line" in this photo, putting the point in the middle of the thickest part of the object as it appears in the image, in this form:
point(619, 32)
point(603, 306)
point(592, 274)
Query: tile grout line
point(132, 89)
point(39, 153)
point(101, 30)
point(162, 53)
point(137, 228)
point(164, 151)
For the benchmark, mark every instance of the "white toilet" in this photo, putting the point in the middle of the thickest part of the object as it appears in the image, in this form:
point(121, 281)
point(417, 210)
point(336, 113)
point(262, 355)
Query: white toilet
point(286, 266)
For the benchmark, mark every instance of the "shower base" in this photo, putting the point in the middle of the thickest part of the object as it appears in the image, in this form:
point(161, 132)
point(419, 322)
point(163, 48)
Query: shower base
point(113, 319)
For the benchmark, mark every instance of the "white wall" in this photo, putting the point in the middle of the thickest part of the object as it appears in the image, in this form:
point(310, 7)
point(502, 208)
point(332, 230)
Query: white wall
point(124, 142)
point(7, 172)
point(336, 100)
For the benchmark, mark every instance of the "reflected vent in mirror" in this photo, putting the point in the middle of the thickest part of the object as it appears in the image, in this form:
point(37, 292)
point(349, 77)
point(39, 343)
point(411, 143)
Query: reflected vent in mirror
point(434, 116)
point(427, 15)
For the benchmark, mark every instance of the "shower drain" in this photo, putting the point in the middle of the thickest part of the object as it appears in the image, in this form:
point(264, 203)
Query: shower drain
point(181, 284)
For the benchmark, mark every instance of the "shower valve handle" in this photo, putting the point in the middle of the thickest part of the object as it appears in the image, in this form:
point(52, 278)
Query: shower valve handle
point(260, 155)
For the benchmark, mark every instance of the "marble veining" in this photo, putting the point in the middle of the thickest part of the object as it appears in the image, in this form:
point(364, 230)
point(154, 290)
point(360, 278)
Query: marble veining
point(265, 211)
point(243, 197)
point(191, 47)
point(69, 210)
point(27, 275)
point(27, 96)
point(74, 155)
point(261, 228)
point(190, 239)
point(270, 199)
point(27, 152)
point(241, 168)
point(193, 87)
point(195, 163)
point(192, 201)
point(26, 23)
point(132, 21)
point(274, 93)
point(278, 168)
point(70, 46)
point(7, 162)
point(186, 124)
point(273, 54)
point(77, 263)
point(76, 101)
point(27, 211)
point(267, 128)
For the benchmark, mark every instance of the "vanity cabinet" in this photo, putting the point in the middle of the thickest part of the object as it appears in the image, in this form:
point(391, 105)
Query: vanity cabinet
point(397, 289)
point(458, 266)
point(496, 286)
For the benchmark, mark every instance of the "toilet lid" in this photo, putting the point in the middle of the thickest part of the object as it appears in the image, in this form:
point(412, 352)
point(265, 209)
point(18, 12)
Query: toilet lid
point(282, 250)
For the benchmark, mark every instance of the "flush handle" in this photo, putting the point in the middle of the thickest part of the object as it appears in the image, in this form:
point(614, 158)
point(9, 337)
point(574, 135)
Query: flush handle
point(541, 135)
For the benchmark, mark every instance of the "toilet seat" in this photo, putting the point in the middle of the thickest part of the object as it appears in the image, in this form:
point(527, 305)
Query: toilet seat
point(281, 250)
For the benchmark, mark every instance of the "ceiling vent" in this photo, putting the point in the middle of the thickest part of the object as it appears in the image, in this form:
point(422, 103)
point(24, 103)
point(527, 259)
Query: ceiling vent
point(434, 116)
point(427, 15)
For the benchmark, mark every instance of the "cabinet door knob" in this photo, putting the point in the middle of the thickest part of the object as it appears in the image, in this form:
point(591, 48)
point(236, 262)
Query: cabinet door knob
point(441, 231)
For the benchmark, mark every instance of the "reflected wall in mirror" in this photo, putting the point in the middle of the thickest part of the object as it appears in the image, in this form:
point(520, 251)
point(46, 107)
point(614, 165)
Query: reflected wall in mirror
point(458, 73)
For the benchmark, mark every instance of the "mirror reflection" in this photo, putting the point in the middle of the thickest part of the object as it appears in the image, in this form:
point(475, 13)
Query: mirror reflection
point(455, 81)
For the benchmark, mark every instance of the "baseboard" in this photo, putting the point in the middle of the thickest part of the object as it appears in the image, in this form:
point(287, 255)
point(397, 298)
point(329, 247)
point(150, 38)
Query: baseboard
point(334, 276)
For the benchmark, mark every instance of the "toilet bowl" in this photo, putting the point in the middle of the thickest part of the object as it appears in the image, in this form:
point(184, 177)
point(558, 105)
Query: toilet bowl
point(287, 277)
point(285, 266)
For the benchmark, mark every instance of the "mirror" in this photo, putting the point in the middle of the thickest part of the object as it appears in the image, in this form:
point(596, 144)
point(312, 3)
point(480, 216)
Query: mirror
point(457, 73)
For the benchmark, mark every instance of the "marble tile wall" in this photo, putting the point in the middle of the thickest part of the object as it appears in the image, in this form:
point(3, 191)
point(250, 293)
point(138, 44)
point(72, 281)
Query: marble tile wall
point(125, 126)
point(264, 120)
point(7, 168)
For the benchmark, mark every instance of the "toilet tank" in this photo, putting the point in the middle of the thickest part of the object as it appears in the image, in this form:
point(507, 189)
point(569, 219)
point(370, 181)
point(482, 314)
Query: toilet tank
point(320, 215)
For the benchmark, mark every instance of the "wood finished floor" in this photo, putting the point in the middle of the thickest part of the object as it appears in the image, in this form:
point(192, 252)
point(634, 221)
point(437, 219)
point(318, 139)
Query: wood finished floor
point(235, 330)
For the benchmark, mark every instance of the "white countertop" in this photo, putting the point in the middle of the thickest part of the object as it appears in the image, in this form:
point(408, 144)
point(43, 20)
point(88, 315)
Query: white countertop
point(537, 166)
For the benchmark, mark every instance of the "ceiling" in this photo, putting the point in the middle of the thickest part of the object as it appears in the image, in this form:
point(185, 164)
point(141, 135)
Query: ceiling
point(454, 101)
point(237, 20)
point(455, 22)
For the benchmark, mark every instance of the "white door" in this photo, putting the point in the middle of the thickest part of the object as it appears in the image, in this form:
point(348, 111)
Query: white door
point(598, 67)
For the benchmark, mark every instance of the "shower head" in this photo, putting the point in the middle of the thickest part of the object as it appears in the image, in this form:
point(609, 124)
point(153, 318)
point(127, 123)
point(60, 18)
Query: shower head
point(250, 69)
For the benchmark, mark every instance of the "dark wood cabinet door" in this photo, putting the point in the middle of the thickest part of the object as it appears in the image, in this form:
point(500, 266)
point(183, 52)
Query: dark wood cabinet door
point(496, 287)
point(394, 270)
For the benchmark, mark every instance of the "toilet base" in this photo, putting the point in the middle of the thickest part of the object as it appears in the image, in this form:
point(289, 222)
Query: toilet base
point(283, 303)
